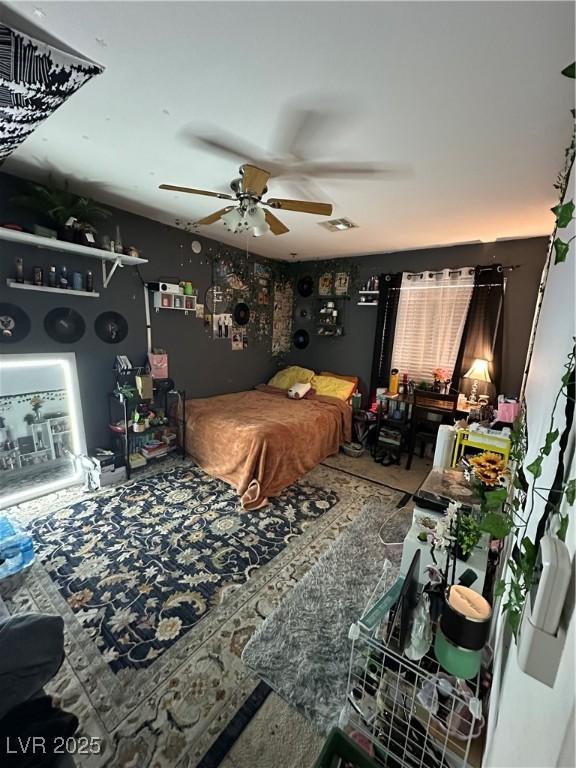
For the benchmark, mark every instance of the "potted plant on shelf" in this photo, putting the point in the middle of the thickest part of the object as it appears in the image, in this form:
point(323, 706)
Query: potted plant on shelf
point(72, 215)
point(138, 423)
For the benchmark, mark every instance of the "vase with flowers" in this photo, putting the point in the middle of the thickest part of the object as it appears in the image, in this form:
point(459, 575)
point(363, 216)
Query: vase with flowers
point(442, 379)
point(37, 402)
point(489, 474)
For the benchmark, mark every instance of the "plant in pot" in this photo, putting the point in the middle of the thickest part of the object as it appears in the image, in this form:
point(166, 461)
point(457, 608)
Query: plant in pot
point(138, 423)
point(37, 402)
point(72, 215)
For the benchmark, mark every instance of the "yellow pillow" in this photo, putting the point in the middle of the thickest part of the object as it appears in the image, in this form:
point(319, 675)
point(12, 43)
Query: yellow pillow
point(328, 386)
point(289, 376)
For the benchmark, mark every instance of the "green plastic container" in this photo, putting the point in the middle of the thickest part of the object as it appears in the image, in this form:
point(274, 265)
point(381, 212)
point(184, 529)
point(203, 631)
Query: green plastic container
point(457, 661)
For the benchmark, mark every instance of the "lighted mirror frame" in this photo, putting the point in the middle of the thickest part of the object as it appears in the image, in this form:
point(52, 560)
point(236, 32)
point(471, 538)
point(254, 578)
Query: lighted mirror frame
point(67, 362)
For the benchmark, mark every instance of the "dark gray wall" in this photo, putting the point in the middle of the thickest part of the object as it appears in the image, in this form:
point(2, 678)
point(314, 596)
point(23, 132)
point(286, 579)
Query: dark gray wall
point(197, 363)
point(352, 353)
point(205, 367)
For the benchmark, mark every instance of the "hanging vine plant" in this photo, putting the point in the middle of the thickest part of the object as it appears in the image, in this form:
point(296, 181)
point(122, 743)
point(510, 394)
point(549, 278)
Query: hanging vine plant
point(523, 560)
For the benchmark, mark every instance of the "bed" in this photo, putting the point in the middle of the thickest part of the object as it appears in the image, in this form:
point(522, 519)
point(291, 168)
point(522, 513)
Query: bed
point(261, 441)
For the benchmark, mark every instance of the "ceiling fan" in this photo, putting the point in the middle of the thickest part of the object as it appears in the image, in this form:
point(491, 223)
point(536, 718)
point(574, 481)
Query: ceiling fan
point(247, 213)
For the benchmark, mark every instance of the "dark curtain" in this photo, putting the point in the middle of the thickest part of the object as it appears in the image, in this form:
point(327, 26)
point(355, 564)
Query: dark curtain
point(482, 335)
point(388, 299)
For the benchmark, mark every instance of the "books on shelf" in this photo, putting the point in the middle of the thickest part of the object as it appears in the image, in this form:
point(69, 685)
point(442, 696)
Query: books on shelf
point(137, 460)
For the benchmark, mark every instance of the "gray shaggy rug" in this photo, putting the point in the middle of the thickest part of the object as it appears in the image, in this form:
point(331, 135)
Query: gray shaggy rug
point(302, 649)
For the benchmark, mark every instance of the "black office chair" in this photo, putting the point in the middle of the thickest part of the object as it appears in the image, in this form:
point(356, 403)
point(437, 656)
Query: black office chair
point(428, 404)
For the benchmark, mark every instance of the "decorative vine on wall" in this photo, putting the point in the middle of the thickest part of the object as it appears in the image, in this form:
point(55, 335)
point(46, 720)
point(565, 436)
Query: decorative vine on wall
point(520, 509)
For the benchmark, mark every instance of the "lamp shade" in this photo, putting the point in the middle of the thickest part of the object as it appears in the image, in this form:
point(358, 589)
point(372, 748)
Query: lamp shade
point(256, 220)
point(233, 220)
point(478, 370)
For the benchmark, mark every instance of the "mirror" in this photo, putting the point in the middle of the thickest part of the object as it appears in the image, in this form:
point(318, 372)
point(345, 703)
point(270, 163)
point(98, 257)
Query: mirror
point(41, 427)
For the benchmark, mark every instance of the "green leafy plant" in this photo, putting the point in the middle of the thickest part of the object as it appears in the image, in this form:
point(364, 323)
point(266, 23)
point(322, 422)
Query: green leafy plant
point(521, 564)
point(59, 205)
point(468, 534)
point(125, 391)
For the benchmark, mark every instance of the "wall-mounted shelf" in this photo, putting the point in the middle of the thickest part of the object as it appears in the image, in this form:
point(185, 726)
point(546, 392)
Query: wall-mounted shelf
point(116, 259)
point(369, 293)
point(367, 303)
point(181, 302)
point(47, 289)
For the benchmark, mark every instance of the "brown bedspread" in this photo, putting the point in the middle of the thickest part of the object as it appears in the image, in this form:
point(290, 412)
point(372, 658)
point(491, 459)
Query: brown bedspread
point(261, 441)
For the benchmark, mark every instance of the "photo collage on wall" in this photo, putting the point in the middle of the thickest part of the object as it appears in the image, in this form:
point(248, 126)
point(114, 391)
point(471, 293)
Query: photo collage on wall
point(238, 304)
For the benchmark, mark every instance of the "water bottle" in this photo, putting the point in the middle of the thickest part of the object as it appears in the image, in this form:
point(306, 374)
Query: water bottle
point(16, 548)
point(27, 549)
point(11, 555)
point(6, 528)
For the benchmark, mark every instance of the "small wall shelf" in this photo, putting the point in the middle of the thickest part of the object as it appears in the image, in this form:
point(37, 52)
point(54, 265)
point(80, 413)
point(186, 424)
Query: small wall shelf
point(116, 259)
point(367, 303)
point(181, 302)
point(47, 289)
point(369, 293)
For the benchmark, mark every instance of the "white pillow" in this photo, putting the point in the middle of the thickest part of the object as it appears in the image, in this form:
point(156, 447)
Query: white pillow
point(298, 390)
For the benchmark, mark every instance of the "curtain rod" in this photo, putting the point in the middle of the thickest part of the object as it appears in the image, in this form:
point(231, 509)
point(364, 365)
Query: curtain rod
point(511, 268)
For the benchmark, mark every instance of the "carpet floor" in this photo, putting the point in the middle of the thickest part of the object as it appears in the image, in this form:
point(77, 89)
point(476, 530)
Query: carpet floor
point(302, 650)
point(158, 687)
point(395, 476)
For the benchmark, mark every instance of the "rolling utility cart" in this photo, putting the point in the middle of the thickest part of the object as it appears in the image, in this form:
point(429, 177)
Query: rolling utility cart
point(151, 439)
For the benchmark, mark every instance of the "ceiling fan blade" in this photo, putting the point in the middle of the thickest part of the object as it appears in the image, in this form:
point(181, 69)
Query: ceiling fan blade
point(254, 179)
point(276, 226)
point(348, 170)
point(173, 188)
point(215, 216)
point(303, 206)
point(302, 131)
point(221, 142)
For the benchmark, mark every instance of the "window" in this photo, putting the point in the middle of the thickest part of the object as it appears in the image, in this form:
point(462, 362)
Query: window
point(431, 316)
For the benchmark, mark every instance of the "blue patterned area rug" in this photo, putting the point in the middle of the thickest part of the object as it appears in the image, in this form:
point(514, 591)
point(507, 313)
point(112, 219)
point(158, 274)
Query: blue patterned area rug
point(145, 564)
point(161, 583)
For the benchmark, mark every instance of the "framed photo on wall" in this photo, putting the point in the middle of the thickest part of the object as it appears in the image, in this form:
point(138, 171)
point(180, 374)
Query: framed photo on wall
point(341, 281)
point(325, 284)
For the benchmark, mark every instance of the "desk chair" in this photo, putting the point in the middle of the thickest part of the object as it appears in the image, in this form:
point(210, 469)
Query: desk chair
point(428, 404)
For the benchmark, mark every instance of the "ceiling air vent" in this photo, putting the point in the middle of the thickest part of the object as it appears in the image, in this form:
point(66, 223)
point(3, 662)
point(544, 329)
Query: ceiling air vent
point(338, 225)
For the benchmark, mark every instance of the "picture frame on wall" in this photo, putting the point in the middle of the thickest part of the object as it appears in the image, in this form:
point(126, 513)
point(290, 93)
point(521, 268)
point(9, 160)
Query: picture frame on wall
point(341, 283)
point(325, 284)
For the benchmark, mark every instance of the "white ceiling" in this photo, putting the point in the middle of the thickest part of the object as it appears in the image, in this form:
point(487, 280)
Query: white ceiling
point(464, 99)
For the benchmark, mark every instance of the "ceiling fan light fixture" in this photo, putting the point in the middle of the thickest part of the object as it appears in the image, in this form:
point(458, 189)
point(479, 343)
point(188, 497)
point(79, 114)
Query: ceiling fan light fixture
point(233, 220)
point(256, 221)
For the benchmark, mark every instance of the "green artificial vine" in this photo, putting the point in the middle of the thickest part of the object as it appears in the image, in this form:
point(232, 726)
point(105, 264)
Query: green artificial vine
point(523, 560)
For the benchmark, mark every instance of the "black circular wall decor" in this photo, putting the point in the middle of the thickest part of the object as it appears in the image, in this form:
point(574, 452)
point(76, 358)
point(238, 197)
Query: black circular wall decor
point(301, 339)
point(14, 323)
point(241, 313)
point(64, 325)
point(111, 327)
point(304, 313)
point(305, 286)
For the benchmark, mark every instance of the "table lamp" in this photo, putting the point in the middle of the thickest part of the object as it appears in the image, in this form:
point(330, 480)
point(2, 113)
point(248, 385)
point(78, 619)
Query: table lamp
point(478, 372)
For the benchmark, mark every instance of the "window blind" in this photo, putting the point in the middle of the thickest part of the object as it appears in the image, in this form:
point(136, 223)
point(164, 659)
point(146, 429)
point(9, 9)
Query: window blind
point(431, 315)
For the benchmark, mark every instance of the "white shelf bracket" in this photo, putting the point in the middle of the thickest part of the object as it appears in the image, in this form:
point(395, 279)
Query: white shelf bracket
point(106, 277)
